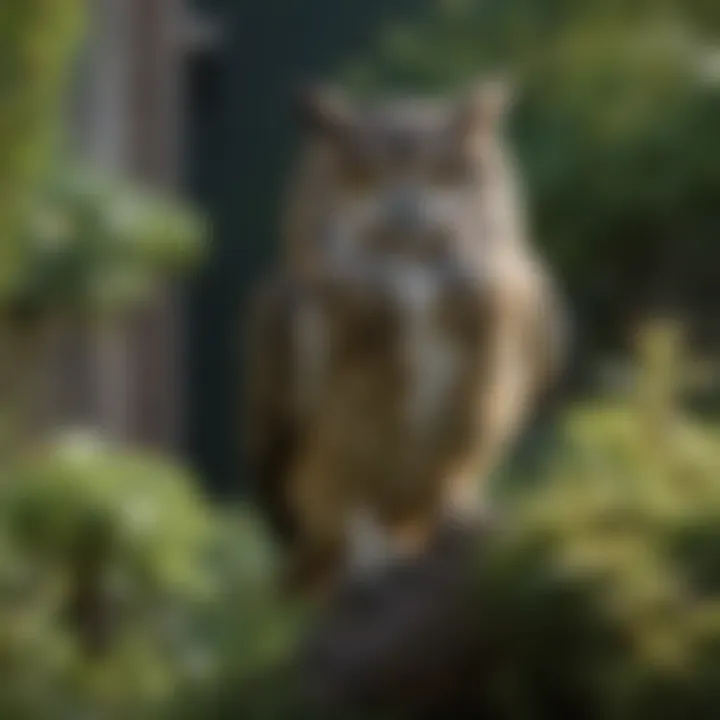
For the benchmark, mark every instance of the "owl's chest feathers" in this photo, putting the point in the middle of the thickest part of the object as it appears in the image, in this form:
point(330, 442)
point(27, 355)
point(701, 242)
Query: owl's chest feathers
point(429, 352)
point(405, 380)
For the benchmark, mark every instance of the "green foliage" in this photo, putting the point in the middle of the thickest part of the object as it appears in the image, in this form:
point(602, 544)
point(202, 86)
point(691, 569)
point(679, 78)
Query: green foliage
point(37, 38)
point(254, 632)
point(108, 559)
point(602, 595)
point(615, 128)
point(96, 245)
point(108, 555)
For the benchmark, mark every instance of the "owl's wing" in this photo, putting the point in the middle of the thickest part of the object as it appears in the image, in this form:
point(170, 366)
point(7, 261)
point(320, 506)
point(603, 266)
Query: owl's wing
point(525, 353)
point(549, 334)
point(270, 428)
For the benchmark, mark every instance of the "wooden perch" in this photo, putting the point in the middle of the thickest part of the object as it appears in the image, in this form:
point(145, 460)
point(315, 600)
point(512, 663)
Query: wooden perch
point(402, 643)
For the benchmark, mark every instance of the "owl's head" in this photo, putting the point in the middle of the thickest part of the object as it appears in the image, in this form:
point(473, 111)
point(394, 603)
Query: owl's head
point(406, 168)
point(429, 141)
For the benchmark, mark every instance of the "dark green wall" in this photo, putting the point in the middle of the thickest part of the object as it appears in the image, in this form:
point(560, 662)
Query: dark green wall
point(240, 140)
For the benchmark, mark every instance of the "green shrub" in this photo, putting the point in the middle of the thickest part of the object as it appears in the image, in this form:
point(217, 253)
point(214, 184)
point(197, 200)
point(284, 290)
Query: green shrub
point(108, 570)
point(601, 595)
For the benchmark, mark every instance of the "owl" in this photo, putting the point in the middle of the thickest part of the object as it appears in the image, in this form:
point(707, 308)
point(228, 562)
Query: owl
point(399, 347)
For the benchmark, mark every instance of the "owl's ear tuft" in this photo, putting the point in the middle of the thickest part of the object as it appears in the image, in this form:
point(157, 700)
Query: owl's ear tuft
point(322, 110)
point(484, 107)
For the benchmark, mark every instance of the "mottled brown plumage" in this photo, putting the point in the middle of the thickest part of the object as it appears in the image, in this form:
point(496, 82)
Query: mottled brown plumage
point(404, 339)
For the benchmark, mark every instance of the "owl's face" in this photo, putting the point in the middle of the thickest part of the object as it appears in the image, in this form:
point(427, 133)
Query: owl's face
point(405, 175)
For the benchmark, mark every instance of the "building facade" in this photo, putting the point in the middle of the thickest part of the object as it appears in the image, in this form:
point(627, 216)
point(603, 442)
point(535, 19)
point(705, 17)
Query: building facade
point(126, 117)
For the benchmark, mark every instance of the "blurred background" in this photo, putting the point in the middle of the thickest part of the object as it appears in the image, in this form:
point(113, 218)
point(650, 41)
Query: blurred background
point(144, 146)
